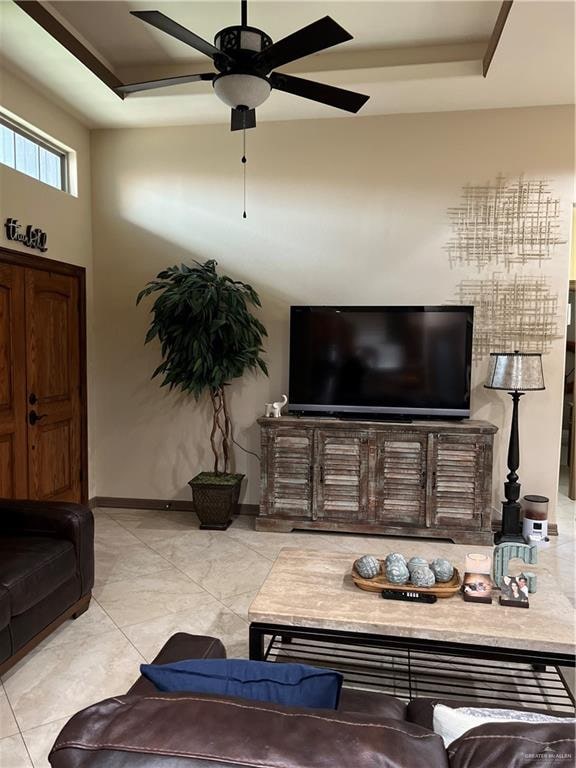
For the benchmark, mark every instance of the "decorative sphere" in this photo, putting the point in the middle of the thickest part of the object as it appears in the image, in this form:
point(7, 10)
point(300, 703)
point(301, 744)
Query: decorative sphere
point(422, 576)
point(442, 569)
point(397, 572)
point(415, 562)
point(392, 557)
point(368, 566)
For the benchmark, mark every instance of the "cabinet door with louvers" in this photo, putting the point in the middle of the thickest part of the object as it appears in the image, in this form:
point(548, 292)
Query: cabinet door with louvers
point(287, 472)
point(341, 487)
point(400, 479)
point(459, 495)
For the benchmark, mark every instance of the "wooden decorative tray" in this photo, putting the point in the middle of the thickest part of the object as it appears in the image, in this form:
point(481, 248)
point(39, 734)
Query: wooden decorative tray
point(378, 583)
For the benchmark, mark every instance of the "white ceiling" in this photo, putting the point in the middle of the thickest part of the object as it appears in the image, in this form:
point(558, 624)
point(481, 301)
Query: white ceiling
point(408, 56)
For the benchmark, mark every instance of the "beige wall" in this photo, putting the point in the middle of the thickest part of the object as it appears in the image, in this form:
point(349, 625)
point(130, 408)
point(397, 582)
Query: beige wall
point(65, 218)
point(573, 249)
point(339, 211)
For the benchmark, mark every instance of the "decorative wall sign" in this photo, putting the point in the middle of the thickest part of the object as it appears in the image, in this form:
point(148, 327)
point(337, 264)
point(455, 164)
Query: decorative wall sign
point(511, 313)
point(32, 237)
point(505, 223)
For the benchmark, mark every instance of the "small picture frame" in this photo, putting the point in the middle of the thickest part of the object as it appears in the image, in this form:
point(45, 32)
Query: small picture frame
point(514, 591)
point(477, 588)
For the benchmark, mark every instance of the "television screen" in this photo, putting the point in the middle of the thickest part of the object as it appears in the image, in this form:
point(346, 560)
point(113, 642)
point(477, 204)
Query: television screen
point(381, 360)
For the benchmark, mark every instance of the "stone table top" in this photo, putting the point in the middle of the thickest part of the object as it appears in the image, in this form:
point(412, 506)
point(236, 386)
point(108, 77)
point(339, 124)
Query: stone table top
point(310, 588)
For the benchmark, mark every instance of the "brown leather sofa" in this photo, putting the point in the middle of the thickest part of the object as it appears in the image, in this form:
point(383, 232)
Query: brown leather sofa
point(46, 571)
point(148, 729)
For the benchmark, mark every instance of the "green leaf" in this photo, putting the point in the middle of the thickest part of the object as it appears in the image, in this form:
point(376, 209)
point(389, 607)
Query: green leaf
point(262, 365)
point(152, 332)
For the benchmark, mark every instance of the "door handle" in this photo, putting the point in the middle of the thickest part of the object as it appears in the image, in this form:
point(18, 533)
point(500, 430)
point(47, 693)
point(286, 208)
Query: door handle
point(33, 417)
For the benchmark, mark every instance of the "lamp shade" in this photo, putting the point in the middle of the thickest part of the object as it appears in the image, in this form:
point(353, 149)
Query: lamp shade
point(247, 91)
point(515, 371)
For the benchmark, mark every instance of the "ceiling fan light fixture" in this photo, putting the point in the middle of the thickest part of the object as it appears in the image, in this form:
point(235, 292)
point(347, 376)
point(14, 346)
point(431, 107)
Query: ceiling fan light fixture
point(240, 90)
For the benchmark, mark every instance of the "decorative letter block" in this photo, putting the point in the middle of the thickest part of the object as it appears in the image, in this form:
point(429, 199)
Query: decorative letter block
point(507, 551)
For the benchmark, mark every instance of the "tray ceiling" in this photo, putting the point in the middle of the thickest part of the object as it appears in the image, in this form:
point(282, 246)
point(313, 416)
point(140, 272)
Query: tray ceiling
point(409, 56)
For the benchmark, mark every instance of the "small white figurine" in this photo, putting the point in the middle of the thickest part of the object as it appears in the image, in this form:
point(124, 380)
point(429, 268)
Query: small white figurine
point(275, 409)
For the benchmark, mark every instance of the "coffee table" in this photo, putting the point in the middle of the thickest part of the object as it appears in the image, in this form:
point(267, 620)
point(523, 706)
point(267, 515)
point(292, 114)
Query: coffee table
point(308, 609)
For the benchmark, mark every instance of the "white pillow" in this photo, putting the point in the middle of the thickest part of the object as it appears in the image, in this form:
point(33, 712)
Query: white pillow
point(453, 723)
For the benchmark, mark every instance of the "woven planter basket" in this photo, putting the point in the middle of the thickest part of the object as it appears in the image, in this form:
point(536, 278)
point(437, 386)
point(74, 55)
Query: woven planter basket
point(215, 503)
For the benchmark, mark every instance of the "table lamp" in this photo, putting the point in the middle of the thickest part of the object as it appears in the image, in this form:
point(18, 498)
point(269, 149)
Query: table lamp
point(516, 372)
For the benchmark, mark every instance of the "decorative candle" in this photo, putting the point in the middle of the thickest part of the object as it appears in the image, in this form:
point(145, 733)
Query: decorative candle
point(478, 563)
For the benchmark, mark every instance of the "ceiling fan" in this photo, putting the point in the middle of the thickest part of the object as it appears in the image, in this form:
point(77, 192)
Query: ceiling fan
point(245, 57)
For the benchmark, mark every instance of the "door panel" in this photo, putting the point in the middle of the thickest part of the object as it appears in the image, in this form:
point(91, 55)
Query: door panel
point(56, 472)
point(456, 498)
point(53, 351)
point(401, 479)
point(290, 470)
point(13, 432)
point(343, 476)
point(53, 373)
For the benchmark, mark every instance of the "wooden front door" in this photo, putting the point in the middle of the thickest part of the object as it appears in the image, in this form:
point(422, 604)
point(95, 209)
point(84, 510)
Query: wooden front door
point(42, 401)
point(13, 432)
point(53, 377)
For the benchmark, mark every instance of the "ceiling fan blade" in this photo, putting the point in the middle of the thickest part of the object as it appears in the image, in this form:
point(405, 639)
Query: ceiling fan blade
point(150, 84)
point(317, 36)
point(165, 24)
point(242, 118)
point(325, 94)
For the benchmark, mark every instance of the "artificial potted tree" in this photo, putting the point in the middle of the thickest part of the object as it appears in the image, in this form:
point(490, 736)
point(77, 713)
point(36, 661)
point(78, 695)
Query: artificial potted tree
point(208, 337)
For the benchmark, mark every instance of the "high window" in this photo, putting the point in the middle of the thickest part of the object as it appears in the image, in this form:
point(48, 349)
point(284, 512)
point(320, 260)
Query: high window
point(28, 153)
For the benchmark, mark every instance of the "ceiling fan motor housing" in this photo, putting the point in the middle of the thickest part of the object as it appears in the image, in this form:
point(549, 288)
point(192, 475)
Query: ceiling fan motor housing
point(241, 84)
point(235, 40)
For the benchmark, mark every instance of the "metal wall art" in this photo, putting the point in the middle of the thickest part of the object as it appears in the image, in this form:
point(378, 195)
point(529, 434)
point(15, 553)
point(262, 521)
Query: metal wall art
point(32, 237)
point(520, 312)
point(505, 223)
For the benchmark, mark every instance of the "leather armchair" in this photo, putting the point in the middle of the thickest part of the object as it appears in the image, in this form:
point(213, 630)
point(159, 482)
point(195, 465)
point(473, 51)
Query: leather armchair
point(46, 571)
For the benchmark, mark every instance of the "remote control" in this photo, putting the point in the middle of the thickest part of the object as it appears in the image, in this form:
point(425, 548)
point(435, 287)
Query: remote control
point(411, 597)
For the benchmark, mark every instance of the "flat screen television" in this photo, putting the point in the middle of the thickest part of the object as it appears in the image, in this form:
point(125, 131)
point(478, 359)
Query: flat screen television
point(381, 361)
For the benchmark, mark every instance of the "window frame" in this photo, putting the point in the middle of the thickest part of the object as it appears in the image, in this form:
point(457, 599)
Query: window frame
point(41, 142)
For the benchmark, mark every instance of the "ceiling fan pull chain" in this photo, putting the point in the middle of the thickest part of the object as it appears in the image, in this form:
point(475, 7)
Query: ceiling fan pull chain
point(244, 167)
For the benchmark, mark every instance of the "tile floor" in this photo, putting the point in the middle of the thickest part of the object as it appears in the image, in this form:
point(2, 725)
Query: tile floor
point(156, 574)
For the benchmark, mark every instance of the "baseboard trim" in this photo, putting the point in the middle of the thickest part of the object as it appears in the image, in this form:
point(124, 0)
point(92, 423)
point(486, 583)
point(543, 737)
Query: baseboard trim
point(552, 527)
point(249, 509)
point(119, 502)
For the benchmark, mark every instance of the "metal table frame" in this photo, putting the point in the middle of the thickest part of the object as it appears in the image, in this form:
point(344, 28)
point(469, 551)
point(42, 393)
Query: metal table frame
point(368, 660)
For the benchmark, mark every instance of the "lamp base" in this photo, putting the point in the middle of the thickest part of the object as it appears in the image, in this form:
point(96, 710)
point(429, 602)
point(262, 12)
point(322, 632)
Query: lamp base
point(500, 537)
point(511, 527)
